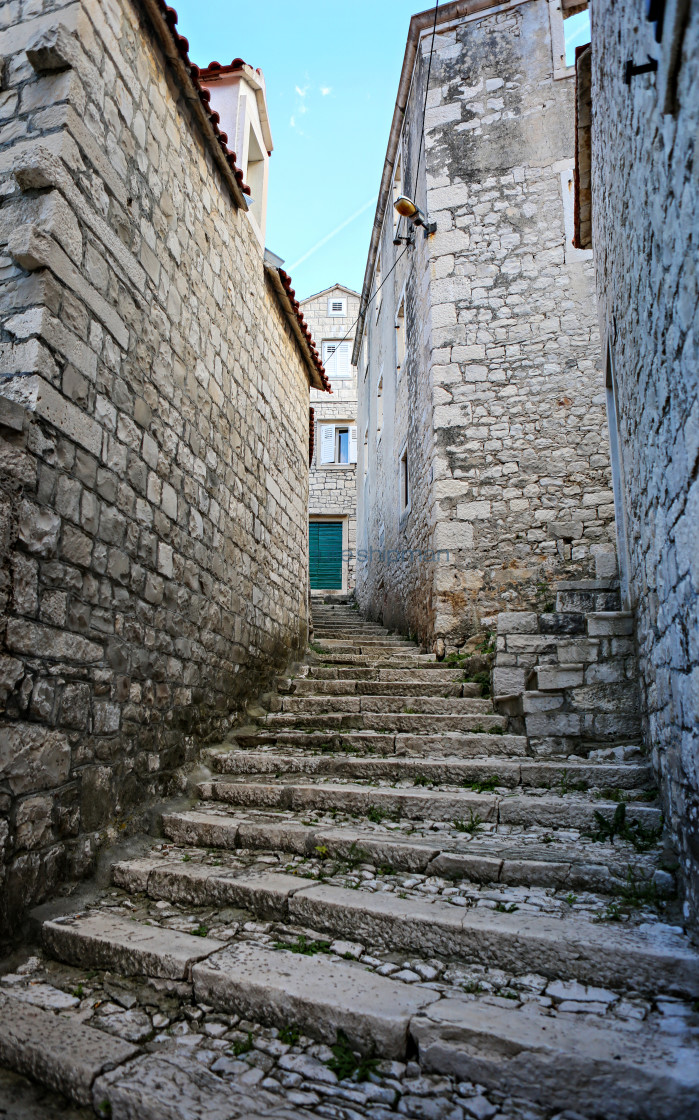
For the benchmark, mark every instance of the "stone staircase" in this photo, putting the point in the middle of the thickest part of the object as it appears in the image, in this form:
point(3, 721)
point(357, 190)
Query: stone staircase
point(387, 900)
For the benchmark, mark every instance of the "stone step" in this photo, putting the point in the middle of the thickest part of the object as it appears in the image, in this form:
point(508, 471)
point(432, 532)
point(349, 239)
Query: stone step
point(99, 940)
point(514, 809)
point(560, 1062)
point(380, 660)
point(448, 855)
point(394, 705)
point(431, 672)
point(449, 744)
point(311, 686)
point(370, 721)
point(562, 777)
point(644, 959)
point(60, 1053)
point(610, 624)
point(389, 642)
point(322, 997)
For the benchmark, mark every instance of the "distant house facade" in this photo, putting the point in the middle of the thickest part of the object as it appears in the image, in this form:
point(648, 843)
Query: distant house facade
point(332, 497)
point(483, 466)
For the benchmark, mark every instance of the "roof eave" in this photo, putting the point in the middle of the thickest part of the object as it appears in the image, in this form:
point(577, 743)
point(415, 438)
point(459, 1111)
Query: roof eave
point(314, 367)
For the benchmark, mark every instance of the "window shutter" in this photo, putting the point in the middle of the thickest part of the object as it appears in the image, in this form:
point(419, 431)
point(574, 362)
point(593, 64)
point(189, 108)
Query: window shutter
point(327, 443)
point(353, 444)
point(343, 360)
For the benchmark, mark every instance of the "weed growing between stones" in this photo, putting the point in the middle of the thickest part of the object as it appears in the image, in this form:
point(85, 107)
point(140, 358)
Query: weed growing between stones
point(345, 1062)
point(243, 1046)
point(482, 679)
point(303, 946)
point(473, 824)
point(200, 931)
point(567, 786)
point(484, 785)
point(637, 834)
point(503, 908)
point(289, 1034)
point(375, 814)
point(423, 780)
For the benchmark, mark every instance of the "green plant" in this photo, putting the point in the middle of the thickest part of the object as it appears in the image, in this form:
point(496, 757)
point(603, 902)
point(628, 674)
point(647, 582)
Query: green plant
point(201, 930)
point(79, 992)
point(423, 780)
point(505, 909)
point(472, 825)
point(346, 1063)
point(505, 993)
point(105, 1108)
point(570, 898)
point(376, 814)
point(289, 1035)
point(483, 785)
point(567, 786)
point(186, 858)
point(303, 946)
point(487, 646)
point(472, 986)
point(322, 850)
point(637, 834)
point(479, 729)
point(637, 891)
point(613, 794)
point(612, 913)
point(242, 1045)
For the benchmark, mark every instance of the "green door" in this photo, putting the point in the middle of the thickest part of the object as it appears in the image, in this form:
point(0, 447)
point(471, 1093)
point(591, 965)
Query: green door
point(325, 555)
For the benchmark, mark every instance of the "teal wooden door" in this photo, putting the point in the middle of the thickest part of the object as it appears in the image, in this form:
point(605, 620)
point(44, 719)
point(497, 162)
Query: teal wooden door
point(325, 555)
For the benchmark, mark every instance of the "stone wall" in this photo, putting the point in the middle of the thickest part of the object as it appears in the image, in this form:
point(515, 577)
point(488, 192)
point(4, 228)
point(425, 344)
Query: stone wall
point(332, 491)
point(645, 199)
point(504, 407)
point(154, 424)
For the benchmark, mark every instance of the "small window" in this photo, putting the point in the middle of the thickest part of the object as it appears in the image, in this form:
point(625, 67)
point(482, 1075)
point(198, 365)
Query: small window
point(400, 338)
point(336, 358)
point(404, 481)
point(342, 445)
point(337, 306)
point(338, 443)
point(377, 285)
point(379, 407)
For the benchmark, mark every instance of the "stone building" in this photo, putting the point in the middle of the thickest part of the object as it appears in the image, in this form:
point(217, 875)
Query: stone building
point(332, 498)
point(645, 234)
point(155, 374)
point(483, 450)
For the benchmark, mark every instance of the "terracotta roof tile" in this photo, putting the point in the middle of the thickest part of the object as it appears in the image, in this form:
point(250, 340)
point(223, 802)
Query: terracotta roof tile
point(182, 46)
point(286, 281)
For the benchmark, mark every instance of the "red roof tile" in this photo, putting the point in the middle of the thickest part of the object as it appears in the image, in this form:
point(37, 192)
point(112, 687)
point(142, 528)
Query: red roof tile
point(182, 46)
point(286, 281)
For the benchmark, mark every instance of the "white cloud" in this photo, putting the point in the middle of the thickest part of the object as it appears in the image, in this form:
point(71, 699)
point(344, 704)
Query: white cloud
point(325, 90)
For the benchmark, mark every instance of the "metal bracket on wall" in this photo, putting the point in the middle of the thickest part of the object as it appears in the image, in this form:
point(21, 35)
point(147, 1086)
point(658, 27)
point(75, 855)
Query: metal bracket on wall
point(631, 69)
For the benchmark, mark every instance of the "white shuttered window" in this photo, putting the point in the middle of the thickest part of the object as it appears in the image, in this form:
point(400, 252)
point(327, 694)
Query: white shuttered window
point(338, 443)
point(336, 359)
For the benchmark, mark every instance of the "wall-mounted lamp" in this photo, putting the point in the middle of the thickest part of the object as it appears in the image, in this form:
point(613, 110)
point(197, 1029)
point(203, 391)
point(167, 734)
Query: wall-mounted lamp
point(407, 209)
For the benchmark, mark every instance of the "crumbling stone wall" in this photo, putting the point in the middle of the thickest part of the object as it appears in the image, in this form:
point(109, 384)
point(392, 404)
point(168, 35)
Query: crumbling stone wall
point(154, 450)
point(517, 478)
point(645, 202)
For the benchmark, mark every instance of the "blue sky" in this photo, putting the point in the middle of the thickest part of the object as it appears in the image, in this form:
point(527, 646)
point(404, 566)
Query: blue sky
point(332, 71)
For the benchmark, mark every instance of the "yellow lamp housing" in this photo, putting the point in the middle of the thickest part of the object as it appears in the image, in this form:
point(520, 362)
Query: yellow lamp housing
point(406, 207)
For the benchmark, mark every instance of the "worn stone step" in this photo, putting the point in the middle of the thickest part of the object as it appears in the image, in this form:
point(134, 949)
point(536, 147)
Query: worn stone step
point(388, 721)
point(312, 686)
point(610, 624)
point(560, 1062)
point(430, 673)
point(450, 744)
point(56, 1051)
point(646, 959)
point(320, 996)
point(516, 808)
point(510, 773)
point(393, 705)
point(99, 940)
point(448, 856)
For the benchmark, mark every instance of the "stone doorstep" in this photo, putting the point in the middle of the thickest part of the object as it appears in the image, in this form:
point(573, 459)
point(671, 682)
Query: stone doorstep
point(648, 960)
point(511, 772)
point(564, 812)
point(56, 1051)
point(559, 1062)
point(570, 868)
point(320, 996)
point(407, 689)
